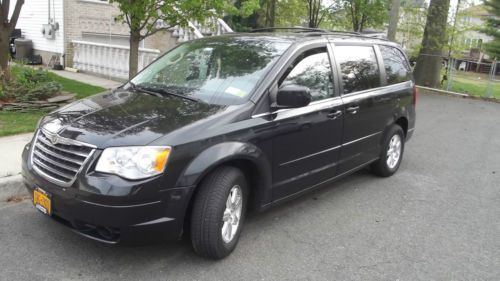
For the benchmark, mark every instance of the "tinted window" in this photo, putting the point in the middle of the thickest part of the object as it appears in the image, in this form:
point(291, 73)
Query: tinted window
point(313, 70)
point(359, 68)
point(216, 70)
point(396, 68)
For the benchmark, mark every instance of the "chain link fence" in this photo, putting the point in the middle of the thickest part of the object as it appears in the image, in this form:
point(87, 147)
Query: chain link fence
point(474, 77)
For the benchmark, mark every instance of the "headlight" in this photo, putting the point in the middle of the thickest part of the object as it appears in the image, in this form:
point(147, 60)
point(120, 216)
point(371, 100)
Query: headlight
point(134, 162)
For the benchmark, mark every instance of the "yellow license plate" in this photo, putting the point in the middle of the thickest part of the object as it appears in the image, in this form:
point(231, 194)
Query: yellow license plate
point(42, 201)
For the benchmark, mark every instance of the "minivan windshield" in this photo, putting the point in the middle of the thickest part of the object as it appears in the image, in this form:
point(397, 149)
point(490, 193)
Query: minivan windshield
point(217, 70)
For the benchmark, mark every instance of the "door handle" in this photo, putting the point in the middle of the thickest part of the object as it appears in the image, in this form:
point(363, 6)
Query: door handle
point(334, 114)
point(352, 109)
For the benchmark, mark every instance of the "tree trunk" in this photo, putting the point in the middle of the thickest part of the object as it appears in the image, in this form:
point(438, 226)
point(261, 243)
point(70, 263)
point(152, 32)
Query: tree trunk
point(4, 53)
point(135, 39)
point(271, 13)
point(393, 21)
point(427, 70)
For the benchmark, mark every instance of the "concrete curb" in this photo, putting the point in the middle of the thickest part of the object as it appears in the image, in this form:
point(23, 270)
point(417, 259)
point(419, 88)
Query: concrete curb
point(443, 91)
point(12, 187)
point(427, 90)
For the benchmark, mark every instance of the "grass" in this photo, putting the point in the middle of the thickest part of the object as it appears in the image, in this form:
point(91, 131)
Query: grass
point(12, 123)
point(473, 84)
point(81, 90)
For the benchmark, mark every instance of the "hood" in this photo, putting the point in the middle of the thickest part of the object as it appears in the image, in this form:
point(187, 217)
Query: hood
point(121, 118)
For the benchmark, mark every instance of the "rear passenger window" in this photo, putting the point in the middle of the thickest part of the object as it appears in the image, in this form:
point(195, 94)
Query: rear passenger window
point(396, 68)
point(312, 69)
point(359, 68)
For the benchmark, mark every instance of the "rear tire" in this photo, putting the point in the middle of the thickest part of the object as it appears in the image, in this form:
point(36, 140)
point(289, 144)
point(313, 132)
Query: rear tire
point(391, 154)
point(219, 213)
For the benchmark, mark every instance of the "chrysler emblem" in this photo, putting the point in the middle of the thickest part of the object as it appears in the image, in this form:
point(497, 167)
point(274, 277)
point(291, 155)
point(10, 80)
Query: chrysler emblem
point(53, 126)
point(54, 139)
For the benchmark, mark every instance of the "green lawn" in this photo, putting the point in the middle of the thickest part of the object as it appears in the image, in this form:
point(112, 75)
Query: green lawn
point(468, 83)
point(81, 90)
point(12, 123)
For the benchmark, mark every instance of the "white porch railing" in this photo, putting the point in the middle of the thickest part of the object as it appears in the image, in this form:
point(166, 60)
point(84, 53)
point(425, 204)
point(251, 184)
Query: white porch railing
point(108, 60)
point(195, 29)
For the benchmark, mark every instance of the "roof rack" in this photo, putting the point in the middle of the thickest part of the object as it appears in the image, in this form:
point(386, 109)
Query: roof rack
point(353, 34)
point(295, 29)
point(315, 31)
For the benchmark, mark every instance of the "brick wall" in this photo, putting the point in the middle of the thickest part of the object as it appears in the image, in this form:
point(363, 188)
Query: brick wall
point(88, 16)
point(161, 40)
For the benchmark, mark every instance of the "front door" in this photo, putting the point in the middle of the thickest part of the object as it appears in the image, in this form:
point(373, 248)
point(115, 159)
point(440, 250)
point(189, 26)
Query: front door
point(306, 142)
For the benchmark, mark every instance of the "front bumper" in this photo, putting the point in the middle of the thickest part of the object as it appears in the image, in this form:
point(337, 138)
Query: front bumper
point(109, 209)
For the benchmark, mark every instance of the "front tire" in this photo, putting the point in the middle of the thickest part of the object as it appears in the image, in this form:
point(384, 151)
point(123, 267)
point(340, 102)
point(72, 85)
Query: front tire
point(219, 212)
point(391, 154)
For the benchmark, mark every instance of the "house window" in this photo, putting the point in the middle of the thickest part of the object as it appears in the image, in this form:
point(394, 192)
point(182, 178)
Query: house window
point(467, 43)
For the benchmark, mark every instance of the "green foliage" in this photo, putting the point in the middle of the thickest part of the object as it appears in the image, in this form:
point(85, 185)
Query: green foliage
point(291, 13)
point(146, 17)
point(411, 28)
point(28, 84)
point(143, 16)
point(244, 8)
point(22, 122)
point(245, 15)
point(492, 28)
point(35, 92)
point(361, 14)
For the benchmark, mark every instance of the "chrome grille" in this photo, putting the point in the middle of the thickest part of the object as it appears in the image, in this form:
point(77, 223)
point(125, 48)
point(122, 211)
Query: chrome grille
point(58, 159)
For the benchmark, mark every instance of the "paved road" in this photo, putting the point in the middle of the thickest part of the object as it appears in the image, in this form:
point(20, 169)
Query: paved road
point(438, 218)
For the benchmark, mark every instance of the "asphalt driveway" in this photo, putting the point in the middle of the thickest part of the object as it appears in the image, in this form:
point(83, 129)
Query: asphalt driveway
point(438, 218)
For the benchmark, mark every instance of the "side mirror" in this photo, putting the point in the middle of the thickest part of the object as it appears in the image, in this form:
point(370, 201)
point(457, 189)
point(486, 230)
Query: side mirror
point(292, 96)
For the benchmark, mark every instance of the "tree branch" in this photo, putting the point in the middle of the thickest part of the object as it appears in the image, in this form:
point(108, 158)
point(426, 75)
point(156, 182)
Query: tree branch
point(149, 33)
point(127, 19)
point(15, 15)
point(5, 11)
point(149, 12)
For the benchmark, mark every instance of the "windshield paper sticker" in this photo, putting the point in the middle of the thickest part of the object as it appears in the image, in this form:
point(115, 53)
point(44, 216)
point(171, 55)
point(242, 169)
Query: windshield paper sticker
point(235, 92)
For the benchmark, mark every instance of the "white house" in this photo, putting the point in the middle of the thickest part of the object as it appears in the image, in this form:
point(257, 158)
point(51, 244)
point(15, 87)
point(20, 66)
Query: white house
point(473, 18)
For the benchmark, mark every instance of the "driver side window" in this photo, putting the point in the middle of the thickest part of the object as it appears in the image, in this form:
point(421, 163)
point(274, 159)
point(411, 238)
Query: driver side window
point(312, 69)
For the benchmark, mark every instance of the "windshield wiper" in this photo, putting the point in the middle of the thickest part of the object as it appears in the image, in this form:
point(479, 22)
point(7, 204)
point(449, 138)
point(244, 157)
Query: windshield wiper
point(140, 89)
point(160, 92)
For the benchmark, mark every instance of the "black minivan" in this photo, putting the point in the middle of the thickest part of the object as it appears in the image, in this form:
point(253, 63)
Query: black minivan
point(217, 127)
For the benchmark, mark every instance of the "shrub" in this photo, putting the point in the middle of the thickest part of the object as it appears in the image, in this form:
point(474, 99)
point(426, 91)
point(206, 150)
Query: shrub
point(28, 84)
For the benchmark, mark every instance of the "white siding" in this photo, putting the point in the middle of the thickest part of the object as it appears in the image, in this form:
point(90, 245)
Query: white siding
point(34, 14)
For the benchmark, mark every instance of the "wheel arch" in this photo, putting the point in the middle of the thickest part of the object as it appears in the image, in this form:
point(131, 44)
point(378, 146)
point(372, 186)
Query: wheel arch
point(402, 121)
point(244, 156)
